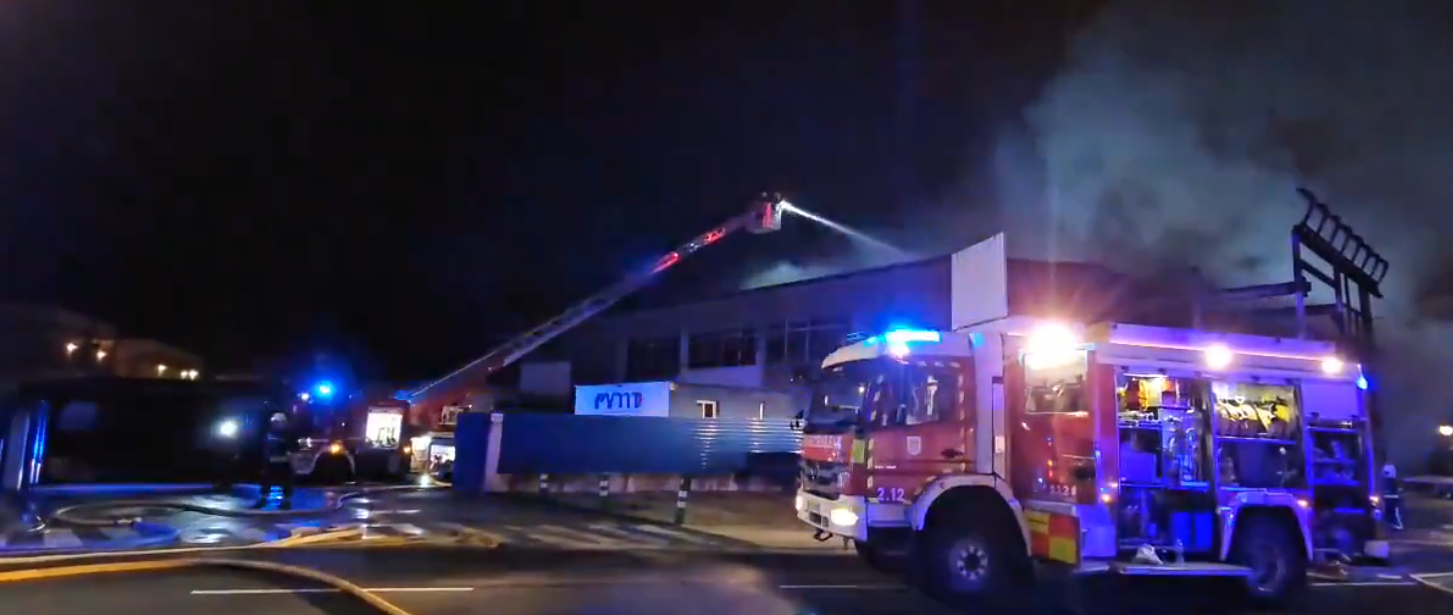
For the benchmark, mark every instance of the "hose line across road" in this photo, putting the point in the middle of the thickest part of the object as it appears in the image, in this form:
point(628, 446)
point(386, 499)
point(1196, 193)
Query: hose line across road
point(160, 565)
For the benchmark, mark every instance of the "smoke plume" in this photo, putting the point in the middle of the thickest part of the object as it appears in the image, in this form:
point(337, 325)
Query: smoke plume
point(1176, 133)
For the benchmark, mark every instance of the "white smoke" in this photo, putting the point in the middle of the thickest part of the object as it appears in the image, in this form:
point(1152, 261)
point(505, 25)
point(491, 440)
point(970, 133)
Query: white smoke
point(1176, 135)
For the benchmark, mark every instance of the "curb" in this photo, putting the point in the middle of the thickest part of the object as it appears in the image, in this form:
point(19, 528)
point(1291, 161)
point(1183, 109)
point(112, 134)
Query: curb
point(339, 583)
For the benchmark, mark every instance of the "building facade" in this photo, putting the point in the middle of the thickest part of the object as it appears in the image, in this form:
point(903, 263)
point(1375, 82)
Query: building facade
point(746, 353)
point(43, 342)
point(773, 338)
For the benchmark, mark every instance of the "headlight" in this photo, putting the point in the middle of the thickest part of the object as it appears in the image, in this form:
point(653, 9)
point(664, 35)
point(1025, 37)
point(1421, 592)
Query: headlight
point(335, 448)
point(799, 504)
point(843, 517)
point(227, 428)
point(1445, 430)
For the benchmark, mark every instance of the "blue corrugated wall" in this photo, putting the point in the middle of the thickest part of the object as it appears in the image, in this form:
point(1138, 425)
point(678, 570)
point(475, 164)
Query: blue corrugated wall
point(572, 444)
point(471, 447)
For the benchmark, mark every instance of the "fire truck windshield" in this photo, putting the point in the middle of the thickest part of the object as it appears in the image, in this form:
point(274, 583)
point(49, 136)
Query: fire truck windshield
point(883, 392)
point(837, 397)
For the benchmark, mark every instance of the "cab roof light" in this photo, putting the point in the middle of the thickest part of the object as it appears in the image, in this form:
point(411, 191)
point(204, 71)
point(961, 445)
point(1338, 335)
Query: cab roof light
point(904, 336)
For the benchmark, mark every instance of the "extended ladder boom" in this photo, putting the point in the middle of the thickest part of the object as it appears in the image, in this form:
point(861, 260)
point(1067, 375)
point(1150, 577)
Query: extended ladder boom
point(764, 216)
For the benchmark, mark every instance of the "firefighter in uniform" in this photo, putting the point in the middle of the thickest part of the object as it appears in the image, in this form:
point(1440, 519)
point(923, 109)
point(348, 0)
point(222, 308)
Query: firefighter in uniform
point(277, 469)
point(1392, 497)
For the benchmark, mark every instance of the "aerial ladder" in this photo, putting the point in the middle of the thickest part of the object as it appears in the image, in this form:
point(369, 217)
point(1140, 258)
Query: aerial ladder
point(427, 403)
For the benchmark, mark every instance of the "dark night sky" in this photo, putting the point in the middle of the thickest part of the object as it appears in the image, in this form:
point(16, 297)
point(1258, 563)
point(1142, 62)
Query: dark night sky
point(258, 178)
point(254, 178)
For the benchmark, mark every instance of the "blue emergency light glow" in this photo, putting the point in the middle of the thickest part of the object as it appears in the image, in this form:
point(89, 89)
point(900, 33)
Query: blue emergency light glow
point(904, 336)
point(899, 339)
point(324, 389)
point(1362, 382)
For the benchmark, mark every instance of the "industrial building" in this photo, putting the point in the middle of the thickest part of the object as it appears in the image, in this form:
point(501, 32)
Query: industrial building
point(740, 355)
point(744, 354)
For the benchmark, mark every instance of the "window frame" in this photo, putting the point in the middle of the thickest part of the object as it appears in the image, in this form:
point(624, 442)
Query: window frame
point(708, 406)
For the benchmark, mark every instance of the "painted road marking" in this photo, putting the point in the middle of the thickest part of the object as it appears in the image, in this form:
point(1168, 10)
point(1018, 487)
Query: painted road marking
point(867, 587)
point(116, 533)
point(410, 529)
point(61, 539)
point(682, 536)
point(627, 535)
point(1366, 584)
point(529, 536)
point(582, 538)
point(252, 534)
point(322, 590)
point(1427, 580)
point(463, 532)
point(1433, 575)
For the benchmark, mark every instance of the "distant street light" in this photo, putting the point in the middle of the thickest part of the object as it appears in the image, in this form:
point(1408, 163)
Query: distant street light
point(71, 348)
point(160, 369)
point(100, 354)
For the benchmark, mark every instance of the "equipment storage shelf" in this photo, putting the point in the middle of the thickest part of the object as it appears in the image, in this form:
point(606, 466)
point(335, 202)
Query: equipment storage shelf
point(1257, 435)
point(1335, 455)
point(1162, 426)
point(1164, 490)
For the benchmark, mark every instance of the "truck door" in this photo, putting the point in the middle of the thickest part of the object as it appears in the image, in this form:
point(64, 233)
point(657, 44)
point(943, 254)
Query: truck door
point(919, 424)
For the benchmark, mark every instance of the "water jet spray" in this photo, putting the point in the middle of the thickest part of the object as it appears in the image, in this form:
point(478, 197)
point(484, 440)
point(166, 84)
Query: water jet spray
point(851, 232)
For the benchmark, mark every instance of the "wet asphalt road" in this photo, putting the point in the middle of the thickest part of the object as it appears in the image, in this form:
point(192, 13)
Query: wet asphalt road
point(539, 581)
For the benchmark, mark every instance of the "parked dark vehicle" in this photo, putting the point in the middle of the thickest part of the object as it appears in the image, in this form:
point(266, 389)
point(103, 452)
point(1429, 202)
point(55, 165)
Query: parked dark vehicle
point(120, 431)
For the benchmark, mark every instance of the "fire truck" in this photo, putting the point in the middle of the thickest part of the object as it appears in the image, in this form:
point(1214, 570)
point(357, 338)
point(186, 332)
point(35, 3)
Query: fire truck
point(434, 407)
point(355, 439)
point(1024, 441)
point(374, 437)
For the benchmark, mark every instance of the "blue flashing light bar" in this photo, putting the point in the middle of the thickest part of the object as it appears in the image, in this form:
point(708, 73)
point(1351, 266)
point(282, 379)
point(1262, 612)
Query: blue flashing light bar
point(1362, 382)
point(324, 389)
point(904, 336)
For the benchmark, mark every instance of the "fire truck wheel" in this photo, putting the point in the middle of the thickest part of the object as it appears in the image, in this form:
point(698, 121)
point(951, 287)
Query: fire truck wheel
point(967, 563)
point(873, 557)
point(1268, 546)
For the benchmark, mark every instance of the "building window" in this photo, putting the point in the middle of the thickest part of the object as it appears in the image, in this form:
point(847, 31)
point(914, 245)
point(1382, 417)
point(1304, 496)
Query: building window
point(708, 408)
point(733, 348)
point(656, 358)
point(805, 341)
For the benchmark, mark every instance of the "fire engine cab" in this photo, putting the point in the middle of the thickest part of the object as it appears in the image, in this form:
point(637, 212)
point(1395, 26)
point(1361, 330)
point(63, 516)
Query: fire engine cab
point(1028, 442)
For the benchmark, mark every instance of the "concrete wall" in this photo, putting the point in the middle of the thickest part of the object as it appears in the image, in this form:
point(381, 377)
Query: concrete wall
point(744, 376)
point(546, 379)
point(735, 402)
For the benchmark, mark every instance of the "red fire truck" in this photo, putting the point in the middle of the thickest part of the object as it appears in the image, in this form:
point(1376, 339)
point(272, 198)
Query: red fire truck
point(1020, 443)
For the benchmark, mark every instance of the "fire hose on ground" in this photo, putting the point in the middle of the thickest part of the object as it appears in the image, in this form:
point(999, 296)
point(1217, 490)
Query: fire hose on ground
point(70, 515)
